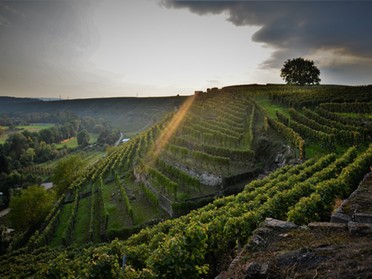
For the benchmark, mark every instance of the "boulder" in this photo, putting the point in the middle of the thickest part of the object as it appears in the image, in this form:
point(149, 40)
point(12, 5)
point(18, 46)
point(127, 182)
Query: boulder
point(340, 218)
point(278, 224)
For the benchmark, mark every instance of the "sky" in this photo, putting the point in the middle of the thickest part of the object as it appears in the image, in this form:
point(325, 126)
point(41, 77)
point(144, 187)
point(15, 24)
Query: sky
point(107, 48)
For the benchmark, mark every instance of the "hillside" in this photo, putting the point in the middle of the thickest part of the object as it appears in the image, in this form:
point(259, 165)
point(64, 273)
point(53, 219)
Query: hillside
point(340, 248)
point(130, 115)
point(187, 166)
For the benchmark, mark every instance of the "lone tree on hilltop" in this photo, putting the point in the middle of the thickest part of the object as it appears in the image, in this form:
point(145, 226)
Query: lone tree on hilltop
point(299, 71)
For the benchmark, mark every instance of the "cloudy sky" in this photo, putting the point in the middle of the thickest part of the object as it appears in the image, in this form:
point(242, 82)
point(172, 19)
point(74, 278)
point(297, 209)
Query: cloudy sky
point(103, 48)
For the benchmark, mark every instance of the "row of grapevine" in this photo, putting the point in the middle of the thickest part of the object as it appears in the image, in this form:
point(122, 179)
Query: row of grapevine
point(314, 96)
point(252, 120)
point(361, 125)
point(66, 236)
point(348, 133)
point(312, 134)
point(353, 107)
point(178, 174)
point(318, 205)
point(211, 138)
point(160, 181)
point(290, 135)
point(150, 195)
point(124, 196)
point(198, 156)
point(104, 215)
point(233, 154)
point(43, 235)
point(93, 205)
point(300, 118)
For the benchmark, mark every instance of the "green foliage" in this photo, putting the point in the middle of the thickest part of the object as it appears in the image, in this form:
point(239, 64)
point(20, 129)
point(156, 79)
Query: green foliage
point(293, 137)
point(66, 171)
point(299, 71)
point(30, 206)
point(66, 236)
point(151, 197)
point(189, 246)
point(124, 196)
point(181, 255)
point(83, 138)
point(356, 107)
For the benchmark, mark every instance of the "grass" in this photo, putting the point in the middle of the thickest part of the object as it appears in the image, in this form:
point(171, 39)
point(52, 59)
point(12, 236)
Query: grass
point(271, 107)
point(143, 210)
point(80, 234)
point(36, 127)
point(65, 215)
point(114, 207)
point(69, 143)
point(72, 143)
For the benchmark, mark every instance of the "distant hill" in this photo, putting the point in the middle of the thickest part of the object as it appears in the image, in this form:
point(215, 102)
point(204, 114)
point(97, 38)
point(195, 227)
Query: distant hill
point(12, 100)
point(130, 115)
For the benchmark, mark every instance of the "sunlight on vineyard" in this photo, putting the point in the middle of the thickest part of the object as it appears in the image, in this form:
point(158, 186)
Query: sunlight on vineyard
point(171, 128)
point(186, 193)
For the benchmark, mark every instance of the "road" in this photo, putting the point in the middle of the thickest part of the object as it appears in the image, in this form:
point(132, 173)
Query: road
point(119, 140)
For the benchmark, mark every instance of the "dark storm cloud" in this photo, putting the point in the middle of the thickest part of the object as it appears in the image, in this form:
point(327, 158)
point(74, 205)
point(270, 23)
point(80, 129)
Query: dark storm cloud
point(299, 27)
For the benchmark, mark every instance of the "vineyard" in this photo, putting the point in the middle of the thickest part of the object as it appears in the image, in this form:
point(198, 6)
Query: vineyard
point(164, 193)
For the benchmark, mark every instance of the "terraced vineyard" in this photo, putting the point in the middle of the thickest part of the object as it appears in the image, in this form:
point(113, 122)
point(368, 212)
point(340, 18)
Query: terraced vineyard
point(175, 166)
point(210, 144)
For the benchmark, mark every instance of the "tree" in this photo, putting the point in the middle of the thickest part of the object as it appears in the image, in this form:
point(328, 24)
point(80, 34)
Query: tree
point(65, 172)
point(30, 206)
point(83, 138)
point(300, 71)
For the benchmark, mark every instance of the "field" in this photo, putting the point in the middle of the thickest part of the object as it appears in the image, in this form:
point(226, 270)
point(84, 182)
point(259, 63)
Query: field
point(72, 142)
point(17, 129)
point(197, 168)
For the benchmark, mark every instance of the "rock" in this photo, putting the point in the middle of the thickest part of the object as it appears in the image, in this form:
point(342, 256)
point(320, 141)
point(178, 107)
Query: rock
point(278, 224)
point(256, 270)
point(302, 258)
point(327, 226)
point(234, 263)
point(340, 218)
point(362, 218)
point(257, 242)
point(359, 228)
point(262, 231)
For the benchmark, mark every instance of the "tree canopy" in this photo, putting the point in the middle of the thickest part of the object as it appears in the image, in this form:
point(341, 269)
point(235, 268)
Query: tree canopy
point(66, 171)
point(83, 138)
point(299, 71)
point(30, 206)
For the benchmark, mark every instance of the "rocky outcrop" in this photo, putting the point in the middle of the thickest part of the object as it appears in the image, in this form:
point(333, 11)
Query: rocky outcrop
point(355, 211)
